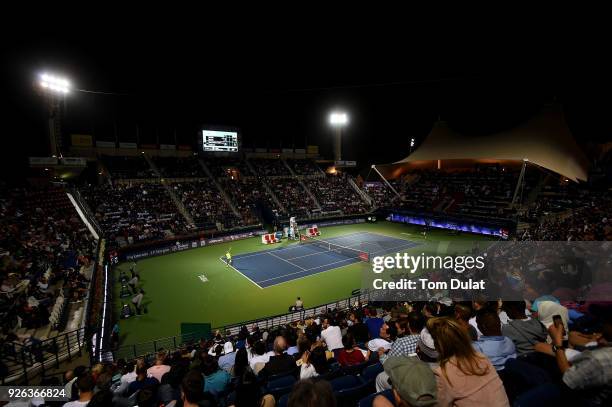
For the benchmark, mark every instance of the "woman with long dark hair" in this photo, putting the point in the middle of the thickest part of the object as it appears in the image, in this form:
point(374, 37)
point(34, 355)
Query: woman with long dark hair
point(465, 377)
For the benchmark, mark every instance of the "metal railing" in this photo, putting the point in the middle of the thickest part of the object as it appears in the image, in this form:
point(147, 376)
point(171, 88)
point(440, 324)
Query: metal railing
point(24, 361)
point(145, 349)
point(287, 318)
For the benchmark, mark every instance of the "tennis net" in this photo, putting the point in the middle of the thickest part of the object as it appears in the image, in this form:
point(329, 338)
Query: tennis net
point(332, 247)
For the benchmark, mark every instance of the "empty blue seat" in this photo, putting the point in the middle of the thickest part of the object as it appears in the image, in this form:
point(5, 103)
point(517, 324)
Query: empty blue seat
point(368, 400)
point(354, 369)
point(370, 372)
point(280, 386)
point(345, 383)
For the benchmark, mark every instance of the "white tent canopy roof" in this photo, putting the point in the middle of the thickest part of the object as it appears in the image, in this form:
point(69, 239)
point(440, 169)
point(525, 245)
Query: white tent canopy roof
point(544, 140)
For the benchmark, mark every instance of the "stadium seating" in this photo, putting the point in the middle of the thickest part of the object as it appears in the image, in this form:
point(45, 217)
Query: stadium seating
point(246, 192)
point(336, 195)
point(205, 204)
point(46, 252)
point(130, 213)
point(293, 197)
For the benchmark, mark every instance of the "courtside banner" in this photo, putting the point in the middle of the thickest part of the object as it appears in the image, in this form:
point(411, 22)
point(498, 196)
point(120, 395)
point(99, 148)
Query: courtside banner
point(181, 245)
point(332, 223)
point(511, 271)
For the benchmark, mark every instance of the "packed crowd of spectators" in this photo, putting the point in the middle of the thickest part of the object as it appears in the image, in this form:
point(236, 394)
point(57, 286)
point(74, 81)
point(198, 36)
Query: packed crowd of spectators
point(483, 193)
point(173, 167)
point(134, 213)
point(246, 193)
point(437, 353)
point(588, 218)
point(292, 196)
point(382, 195)
point(205, 203)
point(45, 254)
point(334, 193)
point(131, 213)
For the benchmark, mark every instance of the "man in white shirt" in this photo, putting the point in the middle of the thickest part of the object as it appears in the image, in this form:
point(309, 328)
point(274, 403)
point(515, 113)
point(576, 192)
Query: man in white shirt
point(299, 304)
point(332, 336)
point(260, 357)
point(126, 379)
point(388, 334)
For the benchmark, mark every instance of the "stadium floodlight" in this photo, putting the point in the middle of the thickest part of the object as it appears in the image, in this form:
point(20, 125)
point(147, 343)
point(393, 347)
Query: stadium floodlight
point(338, 119)
point(412, 142)
point(54, 83)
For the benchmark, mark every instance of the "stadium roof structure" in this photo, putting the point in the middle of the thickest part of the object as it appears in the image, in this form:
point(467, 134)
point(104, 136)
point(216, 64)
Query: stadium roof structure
point(544, 140)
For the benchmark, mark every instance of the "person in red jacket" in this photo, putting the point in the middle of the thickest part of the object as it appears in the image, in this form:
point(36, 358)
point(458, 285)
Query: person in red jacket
point(351, 354)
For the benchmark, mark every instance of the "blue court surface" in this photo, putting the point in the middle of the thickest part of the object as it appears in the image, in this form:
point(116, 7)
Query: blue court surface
point(271, 267)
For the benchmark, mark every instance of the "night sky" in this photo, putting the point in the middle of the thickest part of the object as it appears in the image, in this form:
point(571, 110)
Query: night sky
point(279, 94)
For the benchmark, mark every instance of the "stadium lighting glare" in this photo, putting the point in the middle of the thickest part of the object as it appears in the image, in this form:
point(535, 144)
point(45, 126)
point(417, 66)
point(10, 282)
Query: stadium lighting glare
point(338, 119)
point(411, 142)
point(54, 83)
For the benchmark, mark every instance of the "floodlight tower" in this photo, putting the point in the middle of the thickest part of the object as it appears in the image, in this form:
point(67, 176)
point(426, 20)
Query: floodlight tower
point(338, 120)
point(55, 89)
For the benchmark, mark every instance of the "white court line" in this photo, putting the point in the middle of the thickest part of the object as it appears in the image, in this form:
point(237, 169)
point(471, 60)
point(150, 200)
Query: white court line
point(296, 245)
point(239, 272)
point(266, 251)
point(293, 246)
point(324, 271)
point(376, 234)
point(311, 254)
point(408, 243)
point(287, 261)
point(307, 270)
point(386, 250)
point(393, 248)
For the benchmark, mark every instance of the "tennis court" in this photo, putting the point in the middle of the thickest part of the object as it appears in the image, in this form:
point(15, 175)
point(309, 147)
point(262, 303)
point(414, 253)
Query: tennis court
point(271, 267)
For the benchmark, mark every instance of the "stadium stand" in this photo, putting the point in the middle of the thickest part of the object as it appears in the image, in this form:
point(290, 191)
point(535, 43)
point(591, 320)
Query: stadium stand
point(246, 193)
point(293, 197)
point(335, 194)
point(205, 204)
point(580, 217)
point(130, 213)
point(357, 349)
point(381, 193)
point(46, 254)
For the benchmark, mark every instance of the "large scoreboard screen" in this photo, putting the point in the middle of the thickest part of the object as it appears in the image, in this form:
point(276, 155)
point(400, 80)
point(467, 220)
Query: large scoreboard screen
point(214, 140)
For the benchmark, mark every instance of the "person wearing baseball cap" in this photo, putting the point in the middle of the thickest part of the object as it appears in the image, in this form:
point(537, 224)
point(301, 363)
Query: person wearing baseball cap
point(413, 383)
